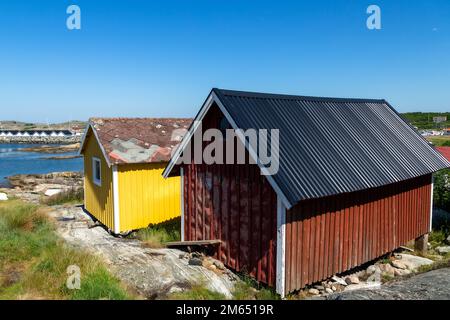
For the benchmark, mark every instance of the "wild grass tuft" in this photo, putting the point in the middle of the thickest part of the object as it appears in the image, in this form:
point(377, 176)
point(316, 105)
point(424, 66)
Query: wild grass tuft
point(71, 196)
point(249, 289)
point(34, 261)
point(157, 235)
point(197, 293)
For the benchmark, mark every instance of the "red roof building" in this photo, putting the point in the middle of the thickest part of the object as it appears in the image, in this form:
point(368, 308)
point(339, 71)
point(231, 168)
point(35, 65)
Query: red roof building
point(445, 151)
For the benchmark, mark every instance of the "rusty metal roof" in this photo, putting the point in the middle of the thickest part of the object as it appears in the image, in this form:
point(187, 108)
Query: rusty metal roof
point(138, 140)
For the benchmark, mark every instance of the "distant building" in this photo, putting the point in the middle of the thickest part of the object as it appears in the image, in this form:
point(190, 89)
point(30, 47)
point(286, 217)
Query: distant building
point(36, 133)
point(439, 119)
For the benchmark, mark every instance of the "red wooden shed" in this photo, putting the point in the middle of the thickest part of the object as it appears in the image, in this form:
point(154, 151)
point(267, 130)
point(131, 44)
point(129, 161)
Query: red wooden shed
point(354, 182)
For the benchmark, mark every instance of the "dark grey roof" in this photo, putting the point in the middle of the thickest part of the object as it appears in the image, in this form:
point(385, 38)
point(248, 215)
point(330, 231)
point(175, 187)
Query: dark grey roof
point(333, 145)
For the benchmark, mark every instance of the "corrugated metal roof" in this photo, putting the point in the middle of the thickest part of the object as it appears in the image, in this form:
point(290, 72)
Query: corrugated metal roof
point(333, 145)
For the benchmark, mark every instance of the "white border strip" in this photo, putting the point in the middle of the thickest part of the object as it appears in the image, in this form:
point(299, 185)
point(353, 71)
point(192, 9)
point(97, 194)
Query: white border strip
point(116, 199)
point(182, 202)
point(431, 202)
point(281, 248)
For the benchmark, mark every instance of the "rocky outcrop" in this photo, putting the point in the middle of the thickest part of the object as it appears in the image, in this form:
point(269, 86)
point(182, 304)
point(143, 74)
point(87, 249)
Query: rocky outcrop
point(31, 187)
point(397, 267)
point(34, 182)
point(154, 273)
point(433, 285)
point(62, 148)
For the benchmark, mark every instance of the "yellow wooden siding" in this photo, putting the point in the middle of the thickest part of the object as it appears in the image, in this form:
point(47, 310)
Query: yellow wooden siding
point(98, 200)
point(145, 197)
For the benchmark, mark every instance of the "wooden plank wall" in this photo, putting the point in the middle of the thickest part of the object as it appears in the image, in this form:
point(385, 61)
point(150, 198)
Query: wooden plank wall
point(334, 234)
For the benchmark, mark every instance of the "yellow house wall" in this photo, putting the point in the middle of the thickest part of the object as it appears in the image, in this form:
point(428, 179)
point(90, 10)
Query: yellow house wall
point(98, 200)
point(145, 197)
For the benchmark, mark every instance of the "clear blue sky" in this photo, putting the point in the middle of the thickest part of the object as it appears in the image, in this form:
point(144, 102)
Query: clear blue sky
point(161, 58)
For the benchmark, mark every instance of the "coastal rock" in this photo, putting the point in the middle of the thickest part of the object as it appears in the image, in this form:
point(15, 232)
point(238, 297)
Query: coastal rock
point(414, 262)
point(153, 273)
point(352, 280)
point(400, 272)
point(339, 280)
point(52, 192)
point(433, 285)
point(443, 250)
point(3, 196)
point(313, 291)
point(195, 262)
point(373, 269)
point(398, 264)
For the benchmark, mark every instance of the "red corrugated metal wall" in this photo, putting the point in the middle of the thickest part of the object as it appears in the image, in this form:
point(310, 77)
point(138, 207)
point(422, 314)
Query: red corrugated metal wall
point(334, 234)
point(237, 205)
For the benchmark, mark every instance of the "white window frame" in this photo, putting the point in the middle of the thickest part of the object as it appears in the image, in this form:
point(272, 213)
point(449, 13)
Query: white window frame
point(97, 182)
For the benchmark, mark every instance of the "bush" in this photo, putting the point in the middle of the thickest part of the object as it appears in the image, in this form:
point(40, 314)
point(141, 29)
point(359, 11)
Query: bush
point(155, 236)
point(74, 196)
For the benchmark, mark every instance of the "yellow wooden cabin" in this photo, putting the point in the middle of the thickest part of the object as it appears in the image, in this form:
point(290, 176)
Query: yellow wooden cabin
point(123, 162)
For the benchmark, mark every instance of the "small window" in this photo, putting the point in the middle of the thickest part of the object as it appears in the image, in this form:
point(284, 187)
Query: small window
point(97, 171)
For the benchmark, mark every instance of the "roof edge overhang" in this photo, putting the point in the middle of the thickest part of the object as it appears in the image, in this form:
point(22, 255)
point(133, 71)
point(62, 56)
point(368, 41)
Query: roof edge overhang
point(90, 127)
point(212, 98)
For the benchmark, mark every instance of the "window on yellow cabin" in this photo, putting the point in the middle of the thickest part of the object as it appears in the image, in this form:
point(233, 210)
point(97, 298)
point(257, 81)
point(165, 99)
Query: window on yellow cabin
point(97, 171)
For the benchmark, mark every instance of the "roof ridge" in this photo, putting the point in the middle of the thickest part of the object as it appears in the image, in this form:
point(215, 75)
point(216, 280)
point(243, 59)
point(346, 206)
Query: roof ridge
point(262, 95)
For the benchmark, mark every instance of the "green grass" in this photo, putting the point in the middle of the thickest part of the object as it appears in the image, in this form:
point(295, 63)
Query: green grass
point(157, 235)
point(439, 141)
point(197, 293)
point(34, 261)
point(250, 289)
point(72, 196)
point(424, 120)
point(437, 238)
point(247, 289)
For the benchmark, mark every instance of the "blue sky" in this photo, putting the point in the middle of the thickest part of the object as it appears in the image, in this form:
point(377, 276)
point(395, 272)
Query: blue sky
point(161, 58)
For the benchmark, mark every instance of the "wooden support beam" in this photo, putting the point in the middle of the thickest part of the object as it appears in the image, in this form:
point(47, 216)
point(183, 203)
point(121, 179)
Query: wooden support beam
point(421, 244)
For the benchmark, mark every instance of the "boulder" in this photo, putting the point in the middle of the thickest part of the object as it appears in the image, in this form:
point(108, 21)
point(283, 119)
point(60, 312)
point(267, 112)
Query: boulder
point(219, 265)
point(372, 269)
point(401, 272)
point(363, 285)
point(414, 262)
point(52, 192)
point(319, 287)
point(328, 290)
point(352, 280)
point(3, 196)
point(339, 280)
point(443, 250)
point(387, 269)
point(313, 291)
point(398, 264)
point(195, 262)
